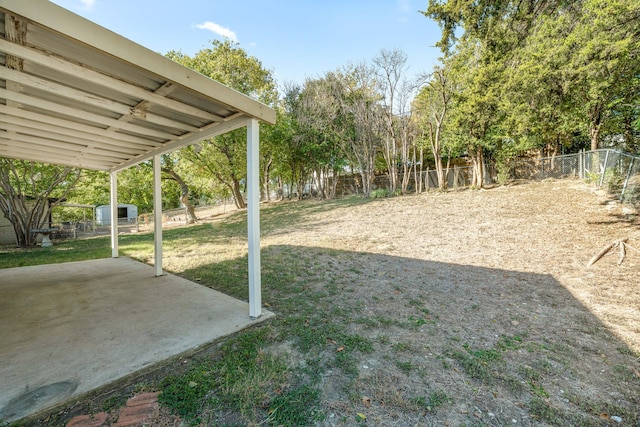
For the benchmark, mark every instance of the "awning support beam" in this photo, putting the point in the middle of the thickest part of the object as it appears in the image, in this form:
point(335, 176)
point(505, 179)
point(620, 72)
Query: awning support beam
point(253, 218)
point(114, 215)
point(157, 215)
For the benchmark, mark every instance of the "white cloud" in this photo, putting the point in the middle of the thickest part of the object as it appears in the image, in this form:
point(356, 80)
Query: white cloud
point(405, 5)
point(218, 29)
point(88, 3)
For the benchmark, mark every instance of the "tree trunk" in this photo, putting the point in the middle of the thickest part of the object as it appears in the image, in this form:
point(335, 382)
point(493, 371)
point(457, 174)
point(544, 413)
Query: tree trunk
point(477, 159)
point(265, 178)
point(190, 212)
point(434, 136)
point(594, 133)
point(334, 183)
point(237, 193)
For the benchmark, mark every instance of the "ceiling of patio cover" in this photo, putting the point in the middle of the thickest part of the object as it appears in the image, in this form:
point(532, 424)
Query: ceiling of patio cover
point(74, 93)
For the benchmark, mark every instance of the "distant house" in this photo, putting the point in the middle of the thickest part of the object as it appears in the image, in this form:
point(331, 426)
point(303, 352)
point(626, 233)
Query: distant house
point(126, 213)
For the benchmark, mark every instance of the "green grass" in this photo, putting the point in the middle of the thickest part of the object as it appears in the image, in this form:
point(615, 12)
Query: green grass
point(274, 374)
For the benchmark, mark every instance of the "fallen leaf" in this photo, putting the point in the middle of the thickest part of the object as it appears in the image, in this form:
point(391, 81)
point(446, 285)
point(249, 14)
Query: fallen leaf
point(193, 384)
point(635, 371)
point(266, 304)
point(604, 416)
point(339, 349)
point(366, 401)
point(360, 416)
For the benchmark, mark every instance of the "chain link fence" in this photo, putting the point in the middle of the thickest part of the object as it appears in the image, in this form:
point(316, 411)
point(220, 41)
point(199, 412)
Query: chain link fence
point(457, 177)
point(613, 170)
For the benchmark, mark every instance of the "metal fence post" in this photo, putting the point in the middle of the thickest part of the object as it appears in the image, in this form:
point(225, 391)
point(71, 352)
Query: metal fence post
point(581, 164)
point(604, 169)
point(626, 181)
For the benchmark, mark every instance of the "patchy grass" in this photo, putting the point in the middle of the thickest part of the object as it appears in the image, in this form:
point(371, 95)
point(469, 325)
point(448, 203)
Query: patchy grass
point(382, 323)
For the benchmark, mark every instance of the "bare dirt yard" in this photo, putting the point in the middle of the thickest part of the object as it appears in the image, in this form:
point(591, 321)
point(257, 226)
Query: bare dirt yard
point(459, 308)
point(480, 304)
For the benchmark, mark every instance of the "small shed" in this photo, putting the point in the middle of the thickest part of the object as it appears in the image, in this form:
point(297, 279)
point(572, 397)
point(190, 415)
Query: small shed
point(126, 213)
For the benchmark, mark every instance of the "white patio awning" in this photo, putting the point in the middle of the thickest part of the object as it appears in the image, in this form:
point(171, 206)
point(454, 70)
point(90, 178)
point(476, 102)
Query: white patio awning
point(74, 93)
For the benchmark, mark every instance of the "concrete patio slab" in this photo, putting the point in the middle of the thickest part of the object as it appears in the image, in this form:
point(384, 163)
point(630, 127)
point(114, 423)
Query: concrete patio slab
point(66, 329)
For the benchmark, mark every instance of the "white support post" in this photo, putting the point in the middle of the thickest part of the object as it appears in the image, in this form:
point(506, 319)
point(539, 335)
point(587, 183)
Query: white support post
point(253, 218)
point(157, 215)
point(114, 215)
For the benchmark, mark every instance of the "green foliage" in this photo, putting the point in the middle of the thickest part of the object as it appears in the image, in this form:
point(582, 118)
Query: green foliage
point(435, 400)
point(293, 408)
point(223, 158)
point(378, 193)
point(28, 193)
point(540, 75)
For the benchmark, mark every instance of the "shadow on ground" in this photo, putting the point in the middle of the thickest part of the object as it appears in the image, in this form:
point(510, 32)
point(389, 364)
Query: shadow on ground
point(404, 341)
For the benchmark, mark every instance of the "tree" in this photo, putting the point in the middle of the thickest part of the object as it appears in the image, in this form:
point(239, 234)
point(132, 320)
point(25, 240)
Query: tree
point(566, 71)
point(390, 67)
point(319, 129)
point(432, 104)
point(224, 157)
point(604, 65)
point(28, 192)
point(168, 168)
point(360, 117)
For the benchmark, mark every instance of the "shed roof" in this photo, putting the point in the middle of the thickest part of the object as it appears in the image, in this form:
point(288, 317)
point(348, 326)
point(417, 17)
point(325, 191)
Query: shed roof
point(74, 93)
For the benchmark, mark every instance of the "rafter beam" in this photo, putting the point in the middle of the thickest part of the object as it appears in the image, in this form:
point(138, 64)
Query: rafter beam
point(79, 129)
point(95, 77)
point(18, 124)
point(210, 131)
point(83, 115)
point(8, 149)
point(19, 140)
point(65, 142)
point(90, 99)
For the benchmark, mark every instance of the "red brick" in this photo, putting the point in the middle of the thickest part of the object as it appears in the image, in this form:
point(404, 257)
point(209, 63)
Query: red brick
point(143, 398)
point(137, 415)
point(132, 422)
point(96, 420)
point(150, 409)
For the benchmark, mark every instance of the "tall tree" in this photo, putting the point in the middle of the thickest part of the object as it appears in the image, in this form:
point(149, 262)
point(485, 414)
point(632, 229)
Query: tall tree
point(391, 66)
point(319, 132)
point(604, 49)
point(432, 104)
point(28, 192)
point(361, 118)
point(224, 157)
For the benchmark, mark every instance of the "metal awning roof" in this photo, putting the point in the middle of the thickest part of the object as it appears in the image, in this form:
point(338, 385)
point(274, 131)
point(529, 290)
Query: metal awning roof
point(74, 93)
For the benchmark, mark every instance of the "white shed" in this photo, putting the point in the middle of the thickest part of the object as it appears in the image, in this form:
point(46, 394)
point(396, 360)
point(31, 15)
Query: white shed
point(126, 213)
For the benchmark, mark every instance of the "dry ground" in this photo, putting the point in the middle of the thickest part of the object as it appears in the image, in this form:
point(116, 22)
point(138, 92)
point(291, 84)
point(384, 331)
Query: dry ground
point(500, 270)
point(478, 304)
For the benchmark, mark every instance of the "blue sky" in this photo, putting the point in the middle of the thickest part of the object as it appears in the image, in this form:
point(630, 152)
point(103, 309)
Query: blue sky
point(295, 39)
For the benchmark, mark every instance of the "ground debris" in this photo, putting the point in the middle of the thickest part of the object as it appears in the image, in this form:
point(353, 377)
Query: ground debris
point(620, 244)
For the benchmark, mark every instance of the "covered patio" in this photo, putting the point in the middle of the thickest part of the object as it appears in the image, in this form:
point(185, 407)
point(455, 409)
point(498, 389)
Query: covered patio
point(76, 94)
point(70, 328)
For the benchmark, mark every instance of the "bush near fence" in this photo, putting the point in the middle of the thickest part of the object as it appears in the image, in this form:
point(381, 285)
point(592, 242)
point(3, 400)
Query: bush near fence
point(613, 170)
point(457, 177)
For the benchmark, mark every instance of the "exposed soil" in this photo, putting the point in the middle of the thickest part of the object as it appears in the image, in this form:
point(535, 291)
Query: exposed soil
point(475, 270)
point(479, 305)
